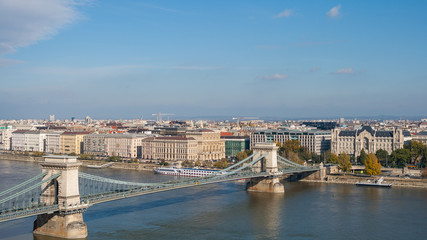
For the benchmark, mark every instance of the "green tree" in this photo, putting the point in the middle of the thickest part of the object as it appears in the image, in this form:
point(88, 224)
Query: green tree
point(291, 146)
point(305, 154)
point(207, 163)
point(188, 163)
point(344, 163)
point(400, 157)
point(249, 152)
point(114, 159)
point(417, 150)
point(26, 153)
point(382, 156)
point(86, 157)
point(372, 166)
point(241, 155)
point(363, 156)
point(38, 154)
point(333, 158)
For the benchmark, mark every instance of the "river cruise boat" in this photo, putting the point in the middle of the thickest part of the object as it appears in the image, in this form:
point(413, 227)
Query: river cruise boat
point(376, 183)
point(188, 172)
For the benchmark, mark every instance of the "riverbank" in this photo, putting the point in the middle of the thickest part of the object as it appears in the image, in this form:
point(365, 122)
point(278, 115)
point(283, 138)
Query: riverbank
point(352, 179)
point(117, 165)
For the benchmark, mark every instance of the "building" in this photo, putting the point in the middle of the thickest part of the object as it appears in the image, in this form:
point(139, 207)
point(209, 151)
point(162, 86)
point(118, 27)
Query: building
point(170, 131)
point(235, 144)
point(53, 142)
point(209, 144)
point(316, 141)
point(28, 140)
point(94, 144)
point(123, 145)
point(5, 137)
point(172, 148)
point(72, 142)
point(421, 136)
point(353, 141)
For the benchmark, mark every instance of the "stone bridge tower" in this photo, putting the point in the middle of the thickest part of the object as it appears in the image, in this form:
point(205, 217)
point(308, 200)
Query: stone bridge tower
point(267, 164)
point(64, 191)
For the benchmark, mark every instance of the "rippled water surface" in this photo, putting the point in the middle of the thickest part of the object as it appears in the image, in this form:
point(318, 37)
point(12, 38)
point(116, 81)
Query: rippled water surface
point(227, 211)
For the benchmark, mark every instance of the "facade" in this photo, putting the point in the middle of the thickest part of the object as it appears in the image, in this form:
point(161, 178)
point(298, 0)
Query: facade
point(353, 141)
point(316, 141)
point(26, 140)
point(209, 144)
point(94, 144)
point(123, 145)
point(173, 148)
point(422, 137)
point(53, 142)
point(235, 144)
point(72, 142)
point(5, 137)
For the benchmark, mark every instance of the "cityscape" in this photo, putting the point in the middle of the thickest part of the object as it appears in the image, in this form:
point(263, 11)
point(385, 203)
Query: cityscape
point(146, 119)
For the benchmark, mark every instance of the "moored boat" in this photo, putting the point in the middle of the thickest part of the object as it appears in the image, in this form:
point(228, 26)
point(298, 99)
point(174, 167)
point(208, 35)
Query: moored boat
point(189, 172)
point(377, 183)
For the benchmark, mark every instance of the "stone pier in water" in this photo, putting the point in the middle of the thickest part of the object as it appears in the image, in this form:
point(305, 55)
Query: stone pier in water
point(68, 222)
point(267, 164)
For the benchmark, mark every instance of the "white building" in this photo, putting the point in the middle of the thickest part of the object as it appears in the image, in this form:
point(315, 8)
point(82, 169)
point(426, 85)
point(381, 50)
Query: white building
point(123, 145)
point(94, 144)
point(5, 137)
point(53, 142)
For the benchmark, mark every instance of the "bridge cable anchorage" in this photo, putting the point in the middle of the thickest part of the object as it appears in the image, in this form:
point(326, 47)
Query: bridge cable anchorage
point(30, 188)
point(41, 175)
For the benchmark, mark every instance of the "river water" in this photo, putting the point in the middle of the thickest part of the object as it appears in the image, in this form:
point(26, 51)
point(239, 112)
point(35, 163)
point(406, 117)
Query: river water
point(227, 211)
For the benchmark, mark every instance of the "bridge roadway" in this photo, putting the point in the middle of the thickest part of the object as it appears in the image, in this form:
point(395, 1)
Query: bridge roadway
point(90, 200)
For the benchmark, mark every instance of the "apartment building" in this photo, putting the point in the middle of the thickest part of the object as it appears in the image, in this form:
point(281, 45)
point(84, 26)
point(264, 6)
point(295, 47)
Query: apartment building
point(209, 144)
point(316, 141)
point(95, 144)
point(123, 145)
point(53, 142)
point(72, 142)
point(172, 148)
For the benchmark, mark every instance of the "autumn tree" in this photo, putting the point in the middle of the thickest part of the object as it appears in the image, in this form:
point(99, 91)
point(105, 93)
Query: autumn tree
point(417, 150)
point(372, 167)
point(188, 163)
point(207, 163)
point(344, 163)
point(241, 155)
point(223, 163)
point(198, 163)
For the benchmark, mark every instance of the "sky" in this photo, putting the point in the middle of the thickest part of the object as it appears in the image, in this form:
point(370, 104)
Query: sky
point(286, 59)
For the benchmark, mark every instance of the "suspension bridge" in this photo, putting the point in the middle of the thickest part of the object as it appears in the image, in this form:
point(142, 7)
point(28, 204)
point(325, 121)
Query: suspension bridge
point(61, 193)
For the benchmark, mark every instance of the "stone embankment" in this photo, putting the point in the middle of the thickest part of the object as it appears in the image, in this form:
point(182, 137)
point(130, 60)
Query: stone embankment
point(117, 165)
point(352, 179)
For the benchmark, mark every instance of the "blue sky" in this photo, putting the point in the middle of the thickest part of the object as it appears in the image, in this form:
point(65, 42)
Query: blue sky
point(288, 59)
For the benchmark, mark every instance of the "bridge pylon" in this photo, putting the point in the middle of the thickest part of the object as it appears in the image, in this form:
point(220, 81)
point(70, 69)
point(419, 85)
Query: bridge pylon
point(268, 164)
point(64, 191)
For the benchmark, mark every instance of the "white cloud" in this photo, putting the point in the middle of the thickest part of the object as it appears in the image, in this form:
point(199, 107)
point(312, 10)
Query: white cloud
point(274, 77)
point(285, 14)
point(334, 12)
point(345, 71)
point(24, 22)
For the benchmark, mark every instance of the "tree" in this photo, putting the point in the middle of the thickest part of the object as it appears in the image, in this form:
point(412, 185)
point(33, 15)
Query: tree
point(305, 154)
point(382, 156)
point(223, 163)
point(114, 158)
point(344, 163)
point(400, 157)
point(241, 155)
point(38, 154)
point(86, 157)
point(249, 152)
point(291, 146)
point(333, 158)
point(416, 149)
point(188, 163)
point(207, 164)
point(424, 173)
point(362, 157)
point(372, 167)
point(198, 163)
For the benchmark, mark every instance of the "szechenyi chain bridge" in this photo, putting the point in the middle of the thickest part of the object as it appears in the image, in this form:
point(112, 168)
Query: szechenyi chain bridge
point(61, 193)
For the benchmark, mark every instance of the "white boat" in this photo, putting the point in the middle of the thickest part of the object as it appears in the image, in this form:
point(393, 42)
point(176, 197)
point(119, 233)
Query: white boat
point(377, 183)
point(189, 172)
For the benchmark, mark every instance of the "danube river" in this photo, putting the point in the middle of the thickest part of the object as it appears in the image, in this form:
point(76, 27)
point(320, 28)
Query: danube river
point(227, 211)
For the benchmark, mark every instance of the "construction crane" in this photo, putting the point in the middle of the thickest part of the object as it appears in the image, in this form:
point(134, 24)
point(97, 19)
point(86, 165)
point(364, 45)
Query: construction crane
point(242, 118)
point(159, 115)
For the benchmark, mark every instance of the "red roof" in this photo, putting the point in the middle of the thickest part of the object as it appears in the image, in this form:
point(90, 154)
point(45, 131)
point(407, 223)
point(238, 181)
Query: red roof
point(226, 134)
